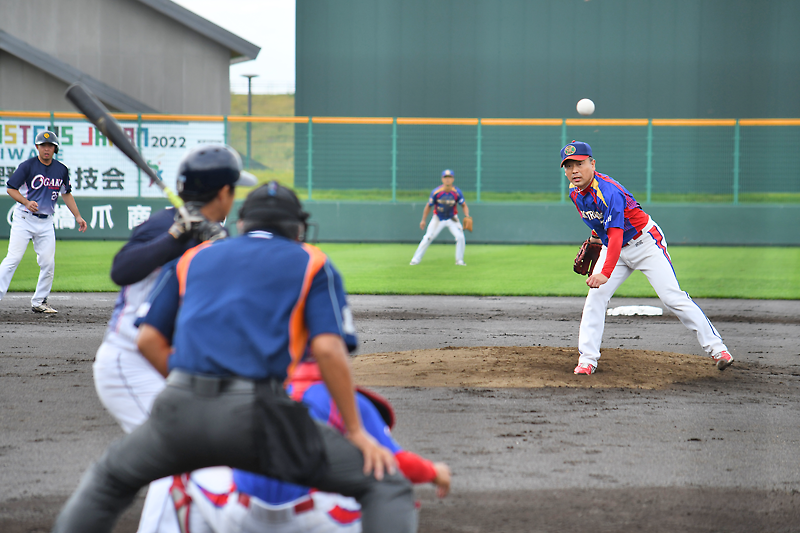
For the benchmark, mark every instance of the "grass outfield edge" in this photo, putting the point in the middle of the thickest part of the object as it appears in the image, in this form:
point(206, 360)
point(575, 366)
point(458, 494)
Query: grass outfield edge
point(762, 273)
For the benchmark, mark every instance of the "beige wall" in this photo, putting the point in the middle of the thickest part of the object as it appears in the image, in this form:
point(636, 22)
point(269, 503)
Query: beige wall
point(24, 87)
point(122, 43)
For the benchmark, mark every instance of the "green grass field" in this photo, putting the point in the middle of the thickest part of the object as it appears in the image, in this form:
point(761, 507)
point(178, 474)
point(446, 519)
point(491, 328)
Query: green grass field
point(525, 270)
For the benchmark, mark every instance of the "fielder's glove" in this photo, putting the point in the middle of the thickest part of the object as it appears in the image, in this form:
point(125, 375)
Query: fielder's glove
point(185, 221)
point(468, 223)
point(587, 257)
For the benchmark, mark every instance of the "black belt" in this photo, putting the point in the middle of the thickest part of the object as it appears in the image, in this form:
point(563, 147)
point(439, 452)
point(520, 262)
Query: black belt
point(209, 385)
point(34, 214)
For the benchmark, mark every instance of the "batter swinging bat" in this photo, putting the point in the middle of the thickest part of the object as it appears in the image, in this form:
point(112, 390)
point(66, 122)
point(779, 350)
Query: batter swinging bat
point(98, 115)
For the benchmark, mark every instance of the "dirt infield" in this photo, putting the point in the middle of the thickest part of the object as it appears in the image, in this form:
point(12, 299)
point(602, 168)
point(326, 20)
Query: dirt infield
point(527, 366)
point(657, 440)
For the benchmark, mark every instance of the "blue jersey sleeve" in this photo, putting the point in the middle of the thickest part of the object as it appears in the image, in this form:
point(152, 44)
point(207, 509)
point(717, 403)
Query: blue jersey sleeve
point(461, 198)
point(149, 247)
point(19, 176)
point(615, 210)
point(321, 407)
point(161, 310)
point(374, 424)
point(326, 307)
point(432, 198)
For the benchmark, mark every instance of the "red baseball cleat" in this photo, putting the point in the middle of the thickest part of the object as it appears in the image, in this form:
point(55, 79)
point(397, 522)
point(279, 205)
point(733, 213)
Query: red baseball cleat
point(586, 369)
point(723, 360)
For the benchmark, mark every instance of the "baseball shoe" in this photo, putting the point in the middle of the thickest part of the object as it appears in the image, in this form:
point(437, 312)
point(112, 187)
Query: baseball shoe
point(461, 263)
point(723, 360)
point(44, 307)
point(412, 263)
point(583, 368)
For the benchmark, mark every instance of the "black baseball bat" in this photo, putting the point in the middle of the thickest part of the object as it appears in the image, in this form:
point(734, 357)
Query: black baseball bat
point(98, 115)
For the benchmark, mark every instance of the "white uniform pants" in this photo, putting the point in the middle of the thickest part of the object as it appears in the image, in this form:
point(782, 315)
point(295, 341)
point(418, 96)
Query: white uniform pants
point(215, 509)
point(434, 228)
point(26, 227)
point(127, 385)
point(648, 253)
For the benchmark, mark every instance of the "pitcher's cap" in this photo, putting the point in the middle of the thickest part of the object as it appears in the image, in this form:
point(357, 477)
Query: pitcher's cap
point(448, 173)
point(576, 150)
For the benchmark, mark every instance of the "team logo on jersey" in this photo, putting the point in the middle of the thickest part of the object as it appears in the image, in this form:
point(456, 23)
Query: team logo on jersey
point(569, 150)
point(592, 215)
point(38, 181)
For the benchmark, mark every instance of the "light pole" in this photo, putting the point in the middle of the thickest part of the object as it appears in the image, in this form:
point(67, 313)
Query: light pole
point(249, 112)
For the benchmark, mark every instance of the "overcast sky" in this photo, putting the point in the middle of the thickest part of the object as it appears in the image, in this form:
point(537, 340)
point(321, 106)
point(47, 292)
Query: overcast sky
point(266, 23)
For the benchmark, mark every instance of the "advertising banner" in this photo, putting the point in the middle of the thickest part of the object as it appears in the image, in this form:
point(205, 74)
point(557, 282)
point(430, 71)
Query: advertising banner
point(97, 168)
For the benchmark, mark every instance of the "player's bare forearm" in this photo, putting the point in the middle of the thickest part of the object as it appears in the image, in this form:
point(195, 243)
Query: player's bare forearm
point(154, 347)
point(442, 480)
point(424, 216)
point(69, 200)
point(330, 353)
point(17, 196)
point(466, 209)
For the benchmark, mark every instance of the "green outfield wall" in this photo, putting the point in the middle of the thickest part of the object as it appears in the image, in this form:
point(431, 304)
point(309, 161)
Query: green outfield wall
point(537, 58)
point(495, 223)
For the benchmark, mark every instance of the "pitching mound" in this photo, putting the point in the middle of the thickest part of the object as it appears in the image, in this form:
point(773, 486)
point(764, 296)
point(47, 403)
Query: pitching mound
point(528, 367)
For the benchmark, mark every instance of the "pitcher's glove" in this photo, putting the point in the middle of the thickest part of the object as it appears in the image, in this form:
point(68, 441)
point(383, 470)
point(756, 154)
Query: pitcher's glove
point(587, 257)
point(468, 223)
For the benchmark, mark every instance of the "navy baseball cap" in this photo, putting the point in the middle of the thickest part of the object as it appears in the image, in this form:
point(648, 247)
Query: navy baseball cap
point(576, 150)
point(448, 173)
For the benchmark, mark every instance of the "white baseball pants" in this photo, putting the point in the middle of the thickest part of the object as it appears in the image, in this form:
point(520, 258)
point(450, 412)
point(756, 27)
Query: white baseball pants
point(217, 509)
point(26, 227)
point(127, 385)
point(647, 253)
point(434, 228)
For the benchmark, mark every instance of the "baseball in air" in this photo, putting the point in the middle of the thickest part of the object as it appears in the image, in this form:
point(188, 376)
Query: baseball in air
point(585, 106)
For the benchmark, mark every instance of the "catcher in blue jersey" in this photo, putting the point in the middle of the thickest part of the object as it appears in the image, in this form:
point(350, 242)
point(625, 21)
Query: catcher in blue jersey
point(445, 200)
point(218, 500)
point(35, 185)
point(631, 241)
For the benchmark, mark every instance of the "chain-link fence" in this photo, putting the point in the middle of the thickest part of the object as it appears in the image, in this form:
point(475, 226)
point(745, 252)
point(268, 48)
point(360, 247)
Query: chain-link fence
point(494, 160)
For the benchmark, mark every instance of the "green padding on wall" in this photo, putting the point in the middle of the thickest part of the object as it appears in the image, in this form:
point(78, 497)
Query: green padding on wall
point(543, 223)
point(697, 224)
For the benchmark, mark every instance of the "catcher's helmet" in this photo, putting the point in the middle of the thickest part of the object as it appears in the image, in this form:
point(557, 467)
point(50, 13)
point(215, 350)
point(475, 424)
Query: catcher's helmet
point(206, 169)
point(276, 208)
point(47, 136)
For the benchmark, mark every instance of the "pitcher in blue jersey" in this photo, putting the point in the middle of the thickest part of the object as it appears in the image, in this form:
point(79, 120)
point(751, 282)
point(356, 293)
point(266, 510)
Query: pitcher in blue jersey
point(631, 241)
point(444, 200)
point(36, 185)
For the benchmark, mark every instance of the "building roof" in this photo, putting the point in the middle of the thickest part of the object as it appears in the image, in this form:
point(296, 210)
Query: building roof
point(69, 74)
point(241, 50)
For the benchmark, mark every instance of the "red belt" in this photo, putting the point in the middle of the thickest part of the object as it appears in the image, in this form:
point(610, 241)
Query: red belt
point(302, 507)
point(632, 239)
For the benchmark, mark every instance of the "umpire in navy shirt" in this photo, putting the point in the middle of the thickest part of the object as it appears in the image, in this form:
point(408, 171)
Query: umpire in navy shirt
point(240, 314)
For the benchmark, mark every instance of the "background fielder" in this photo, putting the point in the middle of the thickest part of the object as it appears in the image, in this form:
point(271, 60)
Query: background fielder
point(631, 241)
point(35, 185)
point(444, 200)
